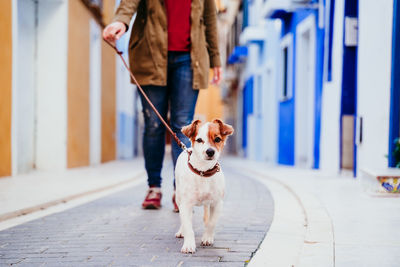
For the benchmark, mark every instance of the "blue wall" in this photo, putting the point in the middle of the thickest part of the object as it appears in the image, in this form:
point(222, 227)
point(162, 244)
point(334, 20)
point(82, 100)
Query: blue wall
point(286, 133)
point(287, 108)
point(247, 108)
point(349, 80)
point(318, 91)
point(394, 129)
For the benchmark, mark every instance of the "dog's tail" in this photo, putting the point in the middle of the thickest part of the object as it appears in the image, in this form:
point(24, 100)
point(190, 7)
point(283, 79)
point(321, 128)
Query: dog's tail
point(206, 214)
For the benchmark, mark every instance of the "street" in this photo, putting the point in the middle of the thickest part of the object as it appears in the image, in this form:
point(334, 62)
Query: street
point(115, 231)
point(308, 92)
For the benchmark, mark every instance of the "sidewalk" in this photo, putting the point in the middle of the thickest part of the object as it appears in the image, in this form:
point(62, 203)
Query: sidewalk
point(343, 225)
point(308, 218)
point(27, 193)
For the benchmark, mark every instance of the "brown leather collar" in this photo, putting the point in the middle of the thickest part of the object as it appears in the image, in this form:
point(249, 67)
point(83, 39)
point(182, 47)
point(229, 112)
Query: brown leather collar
point(207, 173)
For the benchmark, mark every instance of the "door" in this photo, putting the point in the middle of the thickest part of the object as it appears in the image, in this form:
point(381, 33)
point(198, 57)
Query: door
point(305, 93)
point(24, 92)
point(95, 93)
point(348, 122)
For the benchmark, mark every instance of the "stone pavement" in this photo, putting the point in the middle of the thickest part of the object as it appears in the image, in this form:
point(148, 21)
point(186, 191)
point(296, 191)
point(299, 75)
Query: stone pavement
point(49, 188)
point(115, 231)
point(344, 225)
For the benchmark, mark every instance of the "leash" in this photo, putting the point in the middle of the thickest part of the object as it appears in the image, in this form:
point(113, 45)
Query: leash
point(177, 140)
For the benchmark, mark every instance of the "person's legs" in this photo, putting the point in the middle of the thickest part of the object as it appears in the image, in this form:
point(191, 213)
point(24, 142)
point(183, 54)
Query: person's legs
point(182, 96)
point(154, 132)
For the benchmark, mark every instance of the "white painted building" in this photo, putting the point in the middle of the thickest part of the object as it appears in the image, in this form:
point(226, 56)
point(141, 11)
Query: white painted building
point(262, 68)
point(61, 101)
point(319, 82)
point(370, 130)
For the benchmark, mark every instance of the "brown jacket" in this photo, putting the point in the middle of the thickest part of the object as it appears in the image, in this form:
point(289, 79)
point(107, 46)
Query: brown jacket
point(148, 45)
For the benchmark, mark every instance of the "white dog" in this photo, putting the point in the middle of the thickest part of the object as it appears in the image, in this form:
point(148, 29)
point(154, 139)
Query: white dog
point(199, 179)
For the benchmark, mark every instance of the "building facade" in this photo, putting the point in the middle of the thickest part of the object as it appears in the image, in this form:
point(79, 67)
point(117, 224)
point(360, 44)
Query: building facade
point(66, 99)
point(320, 87)
point(58, 107)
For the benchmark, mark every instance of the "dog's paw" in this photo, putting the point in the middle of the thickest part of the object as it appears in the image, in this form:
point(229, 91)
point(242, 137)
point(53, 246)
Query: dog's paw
point(188, 248)
point(179, 234)
point(207, 240)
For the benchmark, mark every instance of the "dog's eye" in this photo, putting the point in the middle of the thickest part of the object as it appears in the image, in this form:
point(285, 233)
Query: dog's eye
point(199, 140)
point(217, 140)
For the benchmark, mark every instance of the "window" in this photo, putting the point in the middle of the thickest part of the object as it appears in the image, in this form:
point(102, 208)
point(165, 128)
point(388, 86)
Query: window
point(287, 67)
point(285, 72)
point(330, 38)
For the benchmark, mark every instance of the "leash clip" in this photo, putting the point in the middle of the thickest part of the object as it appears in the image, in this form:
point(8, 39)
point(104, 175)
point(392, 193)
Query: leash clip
point(184, 148)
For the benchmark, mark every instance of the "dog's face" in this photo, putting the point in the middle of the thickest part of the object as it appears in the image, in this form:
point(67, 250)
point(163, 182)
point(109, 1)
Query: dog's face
point(208, 139)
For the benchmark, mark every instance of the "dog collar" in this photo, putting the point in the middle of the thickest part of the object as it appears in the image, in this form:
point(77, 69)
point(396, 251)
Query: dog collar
point(207, 173)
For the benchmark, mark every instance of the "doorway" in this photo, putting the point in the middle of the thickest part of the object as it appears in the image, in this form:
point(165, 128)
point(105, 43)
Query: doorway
point(348, 110)
point(305, 93)
point(24, 92)
point(95, 93)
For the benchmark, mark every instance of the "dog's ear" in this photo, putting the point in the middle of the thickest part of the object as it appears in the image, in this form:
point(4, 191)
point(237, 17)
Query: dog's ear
point(191, 129)
point(225, 129)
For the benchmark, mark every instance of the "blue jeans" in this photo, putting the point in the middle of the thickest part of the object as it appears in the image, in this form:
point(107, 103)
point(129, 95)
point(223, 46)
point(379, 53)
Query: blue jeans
point(181, 98)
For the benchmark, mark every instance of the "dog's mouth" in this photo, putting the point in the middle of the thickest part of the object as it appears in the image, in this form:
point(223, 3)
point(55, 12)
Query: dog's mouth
point(209, 158)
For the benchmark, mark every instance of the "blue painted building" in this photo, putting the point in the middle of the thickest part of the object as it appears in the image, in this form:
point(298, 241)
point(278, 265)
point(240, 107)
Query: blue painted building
point(320, 86)
point(286, 52)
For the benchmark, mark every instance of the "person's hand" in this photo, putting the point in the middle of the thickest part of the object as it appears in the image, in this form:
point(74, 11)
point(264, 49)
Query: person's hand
point(114, 31)
point(217, 75)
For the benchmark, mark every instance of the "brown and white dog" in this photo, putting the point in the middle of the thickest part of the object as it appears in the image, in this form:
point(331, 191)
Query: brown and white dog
point(199, 179)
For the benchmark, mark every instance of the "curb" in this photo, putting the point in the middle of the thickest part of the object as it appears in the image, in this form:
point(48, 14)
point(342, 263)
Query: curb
point(301, 233)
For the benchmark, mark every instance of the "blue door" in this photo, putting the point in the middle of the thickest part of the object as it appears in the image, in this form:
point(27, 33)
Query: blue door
point(394, 128)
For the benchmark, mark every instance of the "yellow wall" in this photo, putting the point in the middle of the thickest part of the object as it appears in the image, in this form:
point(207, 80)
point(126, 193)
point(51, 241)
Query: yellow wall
point(209, 104)
point(78, 84)
point(108, 94)
point(79, 88)
point(5, 86)
point(108, 10)
point(108, 105)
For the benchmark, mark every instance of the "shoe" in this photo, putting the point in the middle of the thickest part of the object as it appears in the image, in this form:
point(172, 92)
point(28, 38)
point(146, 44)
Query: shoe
point(153, 199)
point(176, 208)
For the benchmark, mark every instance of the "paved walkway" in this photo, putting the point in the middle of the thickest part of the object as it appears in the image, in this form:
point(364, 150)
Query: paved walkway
point(49, 188)
point(309, 218)
point(343, 224)
point(115, 231)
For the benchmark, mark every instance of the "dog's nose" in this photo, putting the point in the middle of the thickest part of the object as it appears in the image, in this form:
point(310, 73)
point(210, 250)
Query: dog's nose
point(210, 152)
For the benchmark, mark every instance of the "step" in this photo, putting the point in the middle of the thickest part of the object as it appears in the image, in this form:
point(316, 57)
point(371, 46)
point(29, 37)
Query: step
point(381, 181)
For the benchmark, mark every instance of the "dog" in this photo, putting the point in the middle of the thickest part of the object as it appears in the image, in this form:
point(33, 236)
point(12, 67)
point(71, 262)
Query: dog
point(200, 180)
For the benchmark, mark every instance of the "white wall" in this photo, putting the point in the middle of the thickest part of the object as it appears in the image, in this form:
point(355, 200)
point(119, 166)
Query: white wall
point(263, 65)
point(270, 92)
point(374, 75)
point(126, 105)
point(39, 119)
point(255, 12)
point(14, 139)
point(331, 98)
point(305, 92)
point(51, 152)
point(252, 69)
point(24, 87)
point(95, 92)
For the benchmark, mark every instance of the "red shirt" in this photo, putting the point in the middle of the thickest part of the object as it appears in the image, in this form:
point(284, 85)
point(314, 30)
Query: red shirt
point(178, 14)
